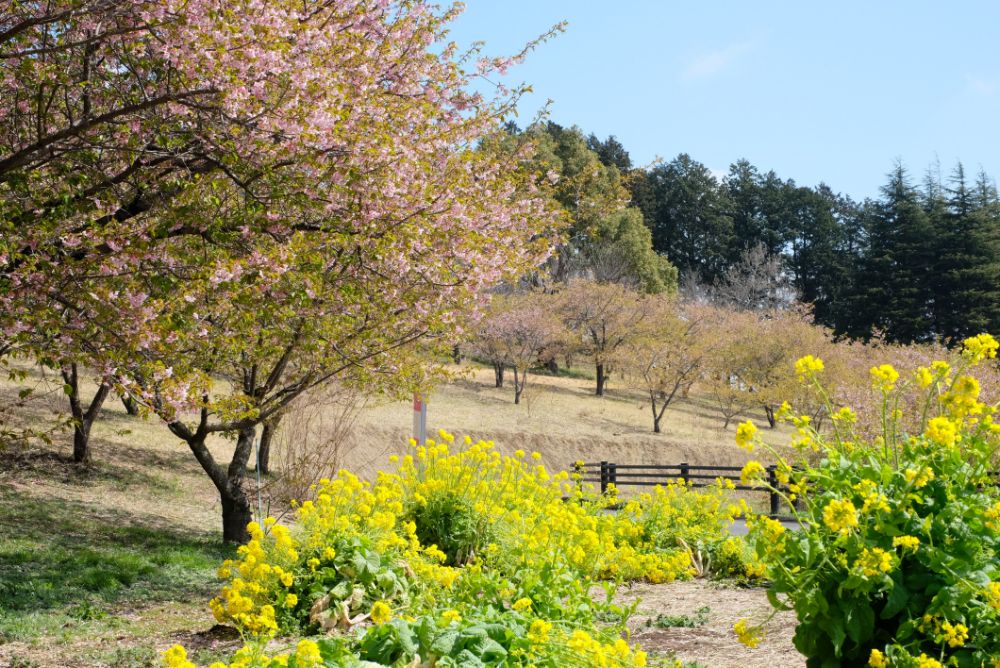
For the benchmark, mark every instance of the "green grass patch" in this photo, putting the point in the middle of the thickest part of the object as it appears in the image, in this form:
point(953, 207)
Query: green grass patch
point(65, 563)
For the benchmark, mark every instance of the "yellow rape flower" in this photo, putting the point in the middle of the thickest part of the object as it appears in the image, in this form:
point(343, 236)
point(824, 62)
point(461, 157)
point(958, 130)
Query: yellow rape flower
point(924, 661)
point(538, 631)
point(884, 377)
point(874, 561)
point(954, 634)
point(381, 612)
point(979, 347)
point(808, 366)
point(307, 655)
point(840, 515)
point(522, 604)
point(745, 433)
point(908, 543)
point(748, 635)
point(752, 471)
point(878, 660)
point(449, 616)
point(176, 657)
point(942, 431)
point(924, 377)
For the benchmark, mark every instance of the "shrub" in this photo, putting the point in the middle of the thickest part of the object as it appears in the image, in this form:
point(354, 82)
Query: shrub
point(898, 559)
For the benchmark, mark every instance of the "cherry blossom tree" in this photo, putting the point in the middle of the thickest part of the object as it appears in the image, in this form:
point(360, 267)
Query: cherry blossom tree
point(220, 205)
point(665, 358)
point(520, 332)
point(604, 317)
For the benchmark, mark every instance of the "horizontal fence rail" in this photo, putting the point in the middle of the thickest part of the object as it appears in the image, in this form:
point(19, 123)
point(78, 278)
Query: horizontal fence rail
point(649, 475)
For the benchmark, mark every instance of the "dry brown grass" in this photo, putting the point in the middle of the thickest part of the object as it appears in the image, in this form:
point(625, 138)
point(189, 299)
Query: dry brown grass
point(559, 417)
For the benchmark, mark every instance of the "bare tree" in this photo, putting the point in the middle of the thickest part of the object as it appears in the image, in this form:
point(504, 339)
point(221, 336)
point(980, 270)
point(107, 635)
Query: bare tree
point(756, 282)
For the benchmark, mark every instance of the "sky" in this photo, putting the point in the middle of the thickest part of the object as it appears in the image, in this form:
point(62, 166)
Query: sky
point(832, 92)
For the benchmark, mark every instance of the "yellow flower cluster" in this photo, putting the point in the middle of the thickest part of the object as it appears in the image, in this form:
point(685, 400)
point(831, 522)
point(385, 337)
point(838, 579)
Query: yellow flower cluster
point(878, 660)
point(381, 613)
point(980, 347)
point(840, 516)
point(942, 431)
point(954, 634)
point(595, 653)
point(884, 377)
point(752, 472)
point(808, 366)
point(874, 561)
point(748, 635)
point(176, 657)
point(745, 433)
point(265, 566)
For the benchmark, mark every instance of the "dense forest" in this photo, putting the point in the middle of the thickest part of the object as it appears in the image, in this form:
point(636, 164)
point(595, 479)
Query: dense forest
point(920, 262)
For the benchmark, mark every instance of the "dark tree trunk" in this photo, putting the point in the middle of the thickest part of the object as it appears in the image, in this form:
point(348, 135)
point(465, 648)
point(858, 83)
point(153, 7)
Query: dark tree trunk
point(601, 380)
point(771, 421)
point(498, 370)
point(83, 419)
point(518, 386)
point(657, 415)
point(236, 515)
point(264, 448)
point(131, 406)
point(456, 354)
point(553, 366)
point(230, 482)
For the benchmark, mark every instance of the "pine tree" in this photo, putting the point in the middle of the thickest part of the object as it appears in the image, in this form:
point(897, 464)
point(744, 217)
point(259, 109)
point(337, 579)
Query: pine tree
point(895, 285)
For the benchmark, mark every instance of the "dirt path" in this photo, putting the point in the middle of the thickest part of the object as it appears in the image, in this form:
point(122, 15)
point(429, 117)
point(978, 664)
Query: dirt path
point(713, 642)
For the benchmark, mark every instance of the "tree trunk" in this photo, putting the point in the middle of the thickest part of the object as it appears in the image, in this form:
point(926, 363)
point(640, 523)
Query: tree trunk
point(264, 448)
point(236, 515)
point(131, 406)
point(656, 415)
point(600, 380)
point(230, 482)
point(83, 420)
point(771, 421)
point(518, 386)
point(456, 354)
point(498, 373)
point(553, 366)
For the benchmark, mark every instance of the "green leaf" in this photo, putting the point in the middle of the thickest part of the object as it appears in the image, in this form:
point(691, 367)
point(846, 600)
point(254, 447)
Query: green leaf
point(898, 597)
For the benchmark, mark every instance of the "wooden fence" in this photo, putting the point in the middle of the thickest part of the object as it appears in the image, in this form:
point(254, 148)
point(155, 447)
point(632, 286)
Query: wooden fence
point(650, 475)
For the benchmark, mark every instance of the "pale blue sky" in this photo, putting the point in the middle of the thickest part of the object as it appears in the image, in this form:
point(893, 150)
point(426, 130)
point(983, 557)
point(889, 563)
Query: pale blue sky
point(832, 91)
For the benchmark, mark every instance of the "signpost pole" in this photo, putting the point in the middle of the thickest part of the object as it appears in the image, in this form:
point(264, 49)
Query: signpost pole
point(419, 418)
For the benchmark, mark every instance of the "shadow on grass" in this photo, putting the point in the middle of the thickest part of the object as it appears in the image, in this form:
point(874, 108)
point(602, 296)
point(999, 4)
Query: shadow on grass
point(58, 555)
point(44, 464)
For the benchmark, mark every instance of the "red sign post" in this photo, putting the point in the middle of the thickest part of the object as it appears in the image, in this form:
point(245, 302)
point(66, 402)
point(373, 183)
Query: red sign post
point(419, 418)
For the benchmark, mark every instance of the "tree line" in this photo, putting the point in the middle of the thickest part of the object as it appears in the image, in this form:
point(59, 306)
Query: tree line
point(918, 263)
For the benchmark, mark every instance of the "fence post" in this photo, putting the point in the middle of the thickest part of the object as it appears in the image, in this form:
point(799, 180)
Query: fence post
point(613, 474)
point(578, 472)
point(686, 473)
point(772, 480)
point(604, 477)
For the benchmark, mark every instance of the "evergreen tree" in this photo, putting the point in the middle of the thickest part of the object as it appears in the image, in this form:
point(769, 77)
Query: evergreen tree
point(611, 153)
point(817, 253)
point(895, 286)
point(687, 212)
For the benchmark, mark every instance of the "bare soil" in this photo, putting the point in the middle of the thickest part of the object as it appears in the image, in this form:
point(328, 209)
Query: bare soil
point(713, 643)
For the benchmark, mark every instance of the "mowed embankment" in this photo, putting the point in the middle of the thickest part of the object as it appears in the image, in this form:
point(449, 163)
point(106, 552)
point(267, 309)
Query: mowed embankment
point(559, 417)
